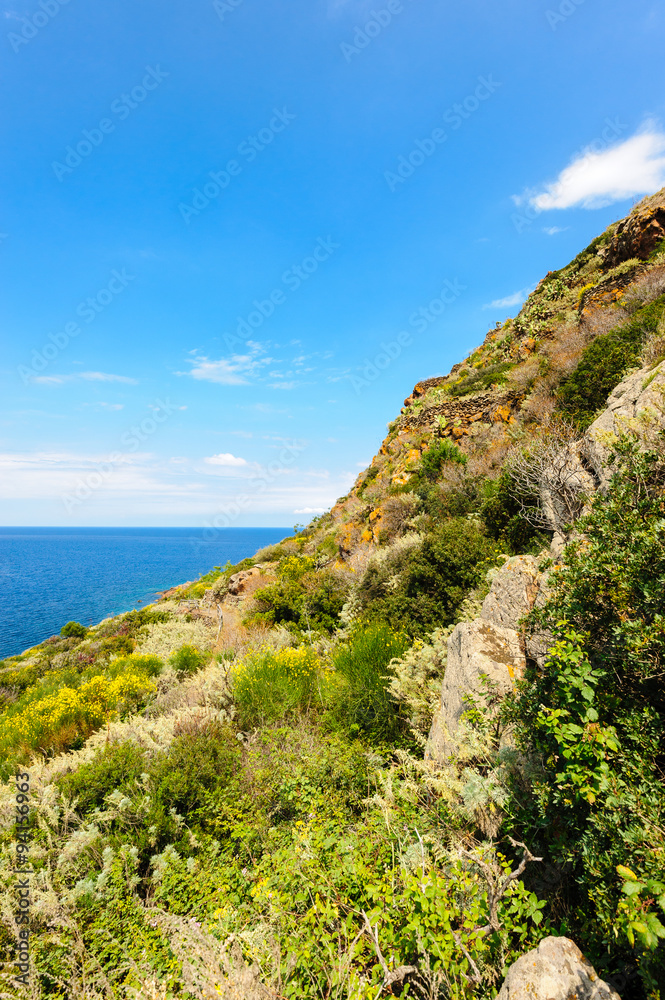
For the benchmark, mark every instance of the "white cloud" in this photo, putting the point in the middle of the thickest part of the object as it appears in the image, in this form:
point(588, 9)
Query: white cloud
point(142, 487)
point(237, 369)
point(596, 179)
point(553, 230)
point(311, 510)
point(228, 460)
point(83, 377)
point(516, 299)
point(105, 377)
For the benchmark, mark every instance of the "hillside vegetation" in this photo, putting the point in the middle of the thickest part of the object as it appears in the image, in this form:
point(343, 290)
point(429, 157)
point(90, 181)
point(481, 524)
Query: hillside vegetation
point(255, 811)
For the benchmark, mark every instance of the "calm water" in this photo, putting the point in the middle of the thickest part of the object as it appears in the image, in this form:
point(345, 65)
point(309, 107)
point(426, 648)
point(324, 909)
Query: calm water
point(49, 576)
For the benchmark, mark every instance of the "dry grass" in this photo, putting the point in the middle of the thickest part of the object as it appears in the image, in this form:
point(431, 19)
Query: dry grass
point(564, 351)
point(653, 351)
point(602, 319)
point(524, 375)
point(540, 406)
point(397, 514)
point(647, 288)
point(652, 201)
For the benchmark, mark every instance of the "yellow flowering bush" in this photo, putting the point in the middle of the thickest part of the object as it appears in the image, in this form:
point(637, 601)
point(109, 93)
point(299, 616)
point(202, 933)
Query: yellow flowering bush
point(273, 684)
point(64, 713)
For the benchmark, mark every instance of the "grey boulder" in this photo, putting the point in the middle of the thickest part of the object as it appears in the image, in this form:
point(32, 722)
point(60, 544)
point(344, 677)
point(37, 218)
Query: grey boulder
point(476, 650)
point(555, 970)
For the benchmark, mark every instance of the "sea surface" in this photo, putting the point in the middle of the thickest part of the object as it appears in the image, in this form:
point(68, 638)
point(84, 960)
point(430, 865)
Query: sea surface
point(49, 576)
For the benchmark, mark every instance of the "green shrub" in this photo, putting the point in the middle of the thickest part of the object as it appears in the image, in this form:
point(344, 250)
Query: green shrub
point(504, 518)
point(657, 250)
point(482, 379)
point(422, 588)
point(363, 705)
point(303, 599)
point(593, 719)
point(269, 685)
point(195, 763)
point(188, 659)
point(604, 363)
point(74, 630)
point(437, 455)
point(116, 766)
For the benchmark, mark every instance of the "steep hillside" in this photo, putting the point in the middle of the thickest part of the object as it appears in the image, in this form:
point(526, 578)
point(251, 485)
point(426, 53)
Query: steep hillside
point(523, 372)
point(410, 750)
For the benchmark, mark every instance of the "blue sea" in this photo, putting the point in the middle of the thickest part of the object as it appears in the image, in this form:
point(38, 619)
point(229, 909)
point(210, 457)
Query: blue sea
point(49, 576)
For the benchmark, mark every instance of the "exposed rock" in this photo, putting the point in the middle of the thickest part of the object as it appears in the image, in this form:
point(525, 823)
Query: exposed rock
point(475, 649)
point(639, 393)
point(239, 582)
point(555, 970)
point(513, 592)
point(638, 235)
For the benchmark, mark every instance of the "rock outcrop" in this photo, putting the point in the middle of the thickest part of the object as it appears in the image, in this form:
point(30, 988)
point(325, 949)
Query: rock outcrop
point(481, 656)
point(641, 395)
point(639, 234)
point(488, 653)
point(513, 592)
point(555, 970)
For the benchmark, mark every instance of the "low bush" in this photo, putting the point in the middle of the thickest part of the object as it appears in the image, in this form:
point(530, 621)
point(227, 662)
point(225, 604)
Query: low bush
point(188, 659)
point(304, 599)
point(423, 587)
point(592, 720)
point(503, 514)
point(477, 381)
point(115, 767)
point(362, 704)
point(61, 712)
point(605, 362)
point(437, 455)
point(269, 685)
point(74, 630)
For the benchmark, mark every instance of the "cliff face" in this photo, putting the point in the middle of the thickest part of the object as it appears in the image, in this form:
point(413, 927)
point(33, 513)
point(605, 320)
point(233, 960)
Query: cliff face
point(510, 386)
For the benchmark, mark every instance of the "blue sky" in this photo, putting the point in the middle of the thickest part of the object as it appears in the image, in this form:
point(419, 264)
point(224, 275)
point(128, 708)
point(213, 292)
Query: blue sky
point(234, 235)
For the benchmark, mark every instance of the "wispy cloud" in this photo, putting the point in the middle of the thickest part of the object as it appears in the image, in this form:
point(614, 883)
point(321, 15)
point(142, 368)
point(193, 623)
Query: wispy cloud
point(254, 365)
point(83, 377)
point(227, 460)
point(553, 230)
point(236, 369)
point(145, 484)
point(284, 385)
point(516, 299)
point(596, 179)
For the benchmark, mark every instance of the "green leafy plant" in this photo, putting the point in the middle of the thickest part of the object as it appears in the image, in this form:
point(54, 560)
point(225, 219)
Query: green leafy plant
point(188, 659)
point(363, 703)
point(594, 715)
point(275, 684)
point(423, 587)
point(73, 630)
point(605, 362)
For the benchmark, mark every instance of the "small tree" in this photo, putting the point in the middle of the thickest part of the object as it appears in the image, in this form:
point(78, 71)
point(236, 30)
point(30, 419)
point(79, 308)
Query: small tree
point(551, 484)
point(73, 630)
